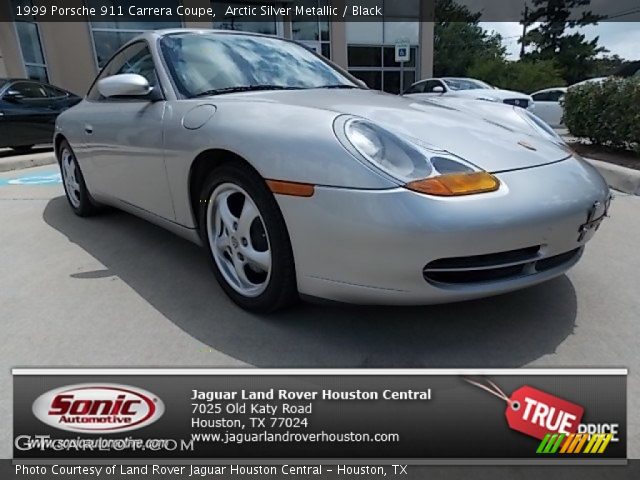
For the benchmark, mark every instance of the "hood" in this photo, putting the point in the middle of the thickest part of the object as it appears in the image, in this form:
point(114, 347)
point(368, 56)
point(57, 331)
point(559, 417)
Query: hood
point(491, 145)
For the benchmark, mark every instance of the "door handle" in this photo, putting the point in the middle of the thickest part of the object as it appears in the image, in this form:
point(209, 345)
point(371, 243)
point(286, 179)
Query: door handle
point(88, 129)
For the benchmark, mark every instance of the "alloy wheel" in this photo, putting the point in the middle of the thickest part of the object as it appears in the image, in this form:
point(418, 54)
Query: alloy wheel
point(238, 240)
point(69, 176)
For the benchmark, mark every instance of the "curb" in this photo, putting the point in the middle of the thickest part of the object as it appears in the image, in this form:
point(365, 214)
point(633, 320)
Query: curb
point(619, 178)
point(27, 161)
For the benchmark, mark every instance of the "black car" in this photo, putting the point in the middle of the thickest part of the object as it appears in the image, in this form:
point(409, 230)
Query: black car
point(28, 111)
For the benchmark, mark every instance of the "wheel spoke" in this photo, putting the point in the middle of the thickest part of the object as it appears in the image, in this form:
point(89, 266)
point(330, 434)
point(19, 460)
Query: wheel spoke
point(239, 268)
point(224, 213)
point(248, 215)
point(222, 242)
point(259, 259)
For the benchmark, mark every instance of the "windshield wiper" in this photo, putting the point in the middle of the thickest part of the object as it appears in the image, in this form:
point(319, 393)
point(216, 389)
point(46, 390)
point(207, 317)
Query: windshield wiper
point(337, 86)
point(242, 88)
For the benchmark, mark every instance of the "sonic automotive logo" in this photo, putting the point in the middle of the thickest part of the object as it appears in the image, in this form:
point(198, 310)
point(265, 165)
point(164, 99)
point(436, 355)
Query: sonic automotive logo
point(98, 408)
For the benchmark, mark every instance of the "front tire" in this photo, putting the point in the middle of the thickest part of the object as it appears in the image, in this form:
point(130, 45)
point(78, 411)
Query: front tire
point(74, 186)
point(247, 240)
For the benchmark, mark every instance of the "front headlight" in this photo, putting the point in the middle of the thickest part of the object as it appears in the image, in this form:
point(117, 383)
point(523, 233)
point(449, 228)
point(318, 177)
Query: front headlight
point(417, 166)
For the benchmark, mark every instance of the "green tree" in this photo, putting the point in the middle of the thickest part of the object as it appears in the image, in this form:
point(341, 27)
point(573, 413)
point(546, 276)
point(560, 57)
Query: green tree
point(608, 65)
point(459, 41)
point(522, 76)
point(574, 54)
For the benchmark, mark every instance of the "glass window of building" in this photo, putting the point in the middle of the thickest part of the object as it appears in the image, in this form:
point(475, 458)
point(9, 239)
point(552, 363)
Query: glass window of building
point(315, 35)
point(371, 46)
point(376, 66)
point(30, 44)
point(110, 35)
point(267, 25)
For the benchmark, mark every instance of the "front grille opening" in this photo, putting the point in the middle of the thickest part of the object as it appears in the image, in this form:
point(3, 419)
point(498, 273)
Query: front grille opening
point(491, 259)
point(475, 276)
point(493, 267)
point(553, 262)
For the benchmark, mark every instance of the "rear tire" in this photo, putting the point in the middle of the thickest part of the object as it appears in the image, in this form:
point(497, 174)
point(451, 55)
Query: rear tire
point(247, 240)
point(74, 186)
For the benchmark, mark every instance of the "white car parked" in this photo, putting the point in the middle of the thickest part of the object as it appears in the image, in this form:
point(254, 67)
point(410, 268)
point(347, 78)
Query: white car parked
point(549, 105)
point(468, 88)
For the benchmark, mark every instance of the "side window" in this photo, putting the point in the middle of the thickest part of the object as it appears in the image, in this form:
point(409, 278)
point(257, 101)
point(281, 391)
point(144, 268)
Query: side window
point(135, 58)
point(430, 85)
point(555, 96)
point(29, 90)
point(542, 97)
point(417, 88)
point(53, 92)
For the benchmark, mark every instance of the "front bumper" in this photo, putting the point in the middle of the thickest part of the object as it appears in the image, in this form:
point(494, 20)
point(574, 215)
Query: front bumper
point(372, 246)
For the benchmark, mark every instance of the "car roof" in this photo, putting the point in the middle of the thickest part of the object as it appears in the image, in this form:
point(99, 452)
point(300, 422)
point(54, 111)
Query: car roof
point(447, 78)
point(425, 80)
point(564, 89)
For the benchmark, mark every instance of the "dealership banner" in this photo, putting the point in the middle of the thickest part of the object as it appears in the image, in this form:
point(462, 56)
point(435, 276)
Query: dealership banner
point(523, 416)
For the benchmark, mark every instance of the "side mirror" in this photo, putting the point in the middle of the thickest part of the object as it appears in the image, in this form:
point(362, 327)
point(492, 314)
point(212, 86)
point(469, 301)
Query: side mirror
point(438, 90)
point(124, 85)
point(13, 96)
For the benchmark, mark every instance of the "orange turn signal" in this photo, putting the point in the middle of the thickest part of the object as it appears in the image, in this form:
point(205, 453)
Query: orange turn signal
point(291, 188)
point(456, 184)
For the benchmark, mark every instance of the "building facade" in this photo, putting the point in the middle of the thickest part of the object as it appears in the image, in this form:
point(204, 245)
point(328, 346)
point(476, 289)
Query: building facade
point(70, 54)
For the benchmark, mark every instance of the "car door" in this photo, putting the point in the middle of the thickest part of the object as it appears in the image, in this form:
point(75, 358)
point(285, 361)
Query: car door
point(548, 106)
point(123, 139)
point(27, 116)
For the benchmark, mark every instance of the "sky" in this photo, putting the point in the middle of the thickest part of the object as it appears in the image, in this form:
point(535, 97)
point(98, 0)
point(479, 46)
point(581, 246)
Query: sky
point(622, 38)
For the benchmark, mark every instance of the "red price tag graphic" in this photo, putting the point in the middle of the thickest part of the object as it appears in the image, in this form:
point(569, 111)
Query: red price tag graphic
point(536, 413)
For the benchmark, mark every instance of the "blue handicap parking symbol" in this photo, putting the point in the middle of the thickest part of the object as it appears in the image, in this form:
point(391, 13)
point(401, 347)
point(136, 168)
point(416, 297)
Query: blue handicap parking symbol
point(45, 179)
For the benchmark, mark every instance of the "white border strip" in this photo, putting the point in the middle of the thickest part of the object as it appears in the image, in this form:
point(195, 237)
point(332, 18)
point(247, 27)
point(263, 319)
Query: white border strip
point(318, 371)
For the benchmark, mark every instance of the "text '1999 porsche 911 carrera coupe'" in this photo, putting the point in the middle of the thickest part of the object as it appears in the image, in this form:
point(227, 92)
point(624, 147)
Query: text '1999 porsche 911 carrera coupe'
point(300, 181)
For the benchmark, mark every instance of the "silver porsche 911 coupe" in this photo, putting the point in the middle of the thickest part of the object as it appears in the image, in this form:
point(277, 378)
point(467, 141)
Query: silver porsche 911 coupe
point(300, 181)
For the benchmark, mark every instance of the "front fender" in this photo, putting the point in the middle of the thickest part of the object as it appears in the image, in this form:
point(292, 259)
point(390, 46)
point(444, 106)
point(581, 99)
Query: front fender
point(281, 142)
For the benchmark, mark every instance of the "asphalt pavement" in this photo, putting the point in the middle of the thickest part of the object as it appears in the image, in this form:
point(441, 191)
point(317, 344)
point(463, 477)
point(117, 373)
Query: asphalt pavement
point(114, 290)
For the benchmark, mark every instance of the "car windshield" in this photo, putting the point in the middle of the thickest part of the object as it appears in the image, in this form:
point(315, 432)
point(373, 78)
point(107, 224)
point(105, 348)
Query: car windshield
point(2, 82)
point(466, 84)
point(217, 63)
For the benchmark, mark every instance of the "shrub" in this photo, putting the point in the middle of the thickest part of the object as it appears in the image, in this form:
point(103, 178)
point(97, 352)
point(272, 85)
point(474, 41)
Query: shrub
point(606, 113)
